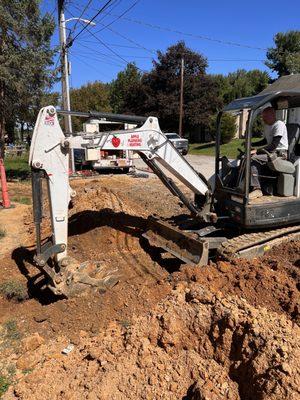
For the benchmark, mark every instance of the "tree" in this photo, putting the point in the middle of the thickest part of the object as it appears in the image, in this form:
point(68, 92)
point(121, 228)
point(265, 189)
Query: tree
point(90, 97)
point(228, 127)
point(284, 58)
point(25, 60)
point(125, 90)
point(160, 89)
point(241, 83)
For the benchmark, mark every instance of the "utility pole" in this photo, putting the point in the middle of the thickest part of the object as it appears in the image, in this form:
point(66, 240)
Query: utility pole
point(64, 63)
point(181, 97)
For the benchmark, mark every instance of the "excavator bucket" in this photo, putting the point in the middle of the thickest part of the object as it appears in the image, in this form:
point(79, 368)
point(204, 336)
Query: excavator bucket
point(75, 278)
point(180, 244)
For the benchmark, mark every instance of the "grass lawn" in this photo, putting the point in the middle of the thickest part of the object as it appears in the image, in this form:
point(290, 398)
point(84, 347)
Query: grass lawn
point(208, 149)
point(17, 167)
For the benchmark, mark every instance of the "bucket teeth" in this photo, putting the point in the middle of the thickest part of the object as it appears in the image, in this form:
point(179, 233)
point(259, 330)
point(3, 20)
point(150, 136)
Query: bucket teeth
point(76, 278)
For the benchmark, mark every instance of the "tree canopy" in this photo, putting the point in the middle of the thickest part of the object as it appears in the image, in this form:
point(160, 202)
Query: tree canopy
point(241, 83)
point(26, 77)
point(125, 90)
point(94, 96)
point(157, 92)
point(284, 58)
point(25, 61)
point(161, 89)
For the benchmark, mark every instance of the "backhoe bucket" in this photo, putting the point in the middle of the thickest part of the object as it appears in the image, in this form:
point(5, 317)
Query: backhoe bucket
point(74, 278)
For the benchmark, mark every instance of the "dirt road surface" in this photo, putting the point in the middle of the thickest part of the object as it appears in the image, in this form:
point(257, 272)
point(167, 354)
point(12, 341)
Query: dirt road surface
point(166, 331)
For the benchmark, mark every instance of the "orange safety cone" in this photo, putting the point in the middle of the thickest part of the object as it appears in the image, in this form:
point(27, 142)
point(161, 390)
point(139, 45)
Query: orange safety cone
point(5, 198)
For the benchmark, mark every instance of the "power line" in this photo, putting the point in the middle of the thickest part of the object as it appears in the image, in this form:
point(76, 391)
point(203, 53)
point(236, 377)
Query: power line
point(101, 61)
point(82, 12)
point(107, 55)
point(110, 7)
point(131, 41)
point(91, 20)
point(202, 37)
point(123, 36)
point(234, 59)
point(119, 16)
point(88, 65)
point(98, 52)
point(113, 51)
point(53, 11)
point(150, 58)
point(110, 49)
point(106, 46)
point(115, 45)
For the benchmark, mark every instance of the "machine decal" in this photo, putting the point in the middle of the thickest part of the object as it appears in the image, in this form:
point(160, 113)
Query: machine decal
point(49, 120)
point(115, 141)
point(135, 140)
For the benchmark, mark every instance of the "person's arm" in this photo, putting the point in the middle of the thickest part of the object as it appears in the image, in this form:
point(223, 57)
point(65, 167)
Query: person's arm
point(261, 142)
point(270, 147)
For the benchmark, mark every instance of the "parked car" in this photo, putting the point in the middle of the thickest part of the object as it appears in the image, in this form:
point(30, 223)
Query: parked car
point(181, 144)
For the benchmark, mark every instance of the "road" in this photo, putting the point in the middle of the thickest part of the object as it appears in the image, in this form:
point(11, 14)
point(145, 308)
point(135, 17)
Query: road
point(203, 164)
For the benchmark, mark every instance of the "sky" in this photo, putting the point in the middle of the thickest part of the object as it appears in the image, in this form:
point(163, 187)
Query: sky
point(231, 34)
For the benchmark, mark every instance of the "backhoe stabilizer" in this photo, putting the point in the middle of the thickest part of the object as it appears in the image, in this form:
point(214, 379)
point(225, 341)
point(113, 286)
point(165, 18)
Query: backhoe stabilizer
point(180, 244)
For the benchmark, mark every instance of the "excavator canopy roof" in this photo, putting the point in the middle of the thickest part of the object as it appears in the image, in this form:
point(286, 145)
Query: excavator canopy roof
point(291, 98)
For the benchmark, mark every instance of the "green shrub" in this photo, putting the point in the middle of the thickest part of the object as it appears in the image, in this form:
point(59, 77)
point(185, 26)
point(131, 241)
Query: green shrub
point(228, 128)
point(11, 330)
point(17, 167)
point(21, 199)
point(4, 384)
point(14, 290)
point(257, 127)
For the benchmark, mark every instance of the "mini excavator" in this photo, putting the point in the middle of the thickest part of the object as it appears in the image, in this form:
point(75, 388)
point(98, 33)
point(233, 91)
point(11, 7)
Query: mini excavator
point(222, 221)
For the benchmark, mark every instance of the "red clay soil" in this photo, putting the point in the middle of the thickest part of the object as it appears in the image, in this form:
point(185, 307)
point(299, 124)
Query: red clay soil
point(193, 345)
point(166, 331)
point(272, 281)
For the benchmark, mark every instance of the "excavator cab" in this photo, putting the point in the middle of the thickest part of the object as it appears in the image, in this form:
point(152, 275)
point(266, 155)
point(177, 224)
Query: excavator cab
point(281, 178)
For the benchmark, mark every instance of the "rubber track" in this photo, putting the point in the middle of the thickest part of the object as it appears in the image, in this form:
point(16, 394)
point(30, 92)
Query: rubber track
point(231, 247)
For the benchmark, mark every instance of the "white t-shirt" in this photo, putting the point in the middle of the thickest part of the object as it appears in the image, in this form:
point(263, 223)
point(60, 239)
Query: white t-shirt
point(277, 129)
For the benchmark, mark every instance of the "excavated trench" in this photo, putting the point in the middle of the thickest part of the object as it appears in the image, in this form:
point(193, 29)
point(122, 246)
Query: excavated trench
point(167, 330)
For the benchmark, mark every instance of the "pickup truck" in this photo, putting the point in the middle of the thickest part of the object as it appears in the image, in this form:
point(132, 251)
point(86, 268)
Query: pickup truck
point(181, 144)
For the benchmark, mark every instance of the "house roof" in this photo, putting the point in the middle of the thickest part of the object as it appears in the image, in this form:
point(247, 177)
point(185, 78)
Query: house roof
point(287, 86)
point(247, 102)
point(287, 82)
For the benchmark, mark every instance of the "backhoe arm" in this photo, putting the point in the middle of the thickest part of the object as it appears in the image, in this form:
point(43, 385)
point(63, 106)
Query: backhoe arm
point(49, 158)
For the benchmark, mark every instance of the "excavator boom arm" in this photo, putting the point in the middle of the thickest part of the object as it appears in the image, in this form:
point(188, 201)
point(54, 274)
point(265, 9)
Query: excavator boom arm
point(49, 152)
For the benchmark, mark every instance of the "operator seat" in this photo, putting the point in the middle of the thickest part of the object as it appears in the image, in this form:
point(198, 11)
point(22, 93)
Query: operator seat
point(286, 168)
point(293, 131)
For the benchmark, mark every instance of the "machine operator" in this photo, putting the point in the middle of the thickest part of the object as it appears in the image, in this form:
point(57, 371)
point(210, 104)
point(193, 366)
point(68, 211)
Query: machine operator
point(275, 140)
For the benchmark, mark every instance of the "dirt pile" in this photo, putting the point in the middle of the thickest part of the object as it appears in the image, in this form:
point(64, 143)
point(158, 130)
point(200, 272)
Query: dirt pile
point(166, 331)
point(194, 345)
point(272, 281)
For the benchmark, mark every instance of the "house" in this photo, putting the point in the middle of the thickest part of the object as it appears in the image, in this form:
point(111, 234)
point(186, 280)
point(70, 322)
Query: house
point(287, 82)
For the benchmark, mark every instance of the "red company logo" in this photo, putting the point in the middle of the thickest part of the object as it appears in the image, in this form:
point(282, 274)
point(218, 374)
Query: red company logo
point(49, 120)
point(115, 141)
